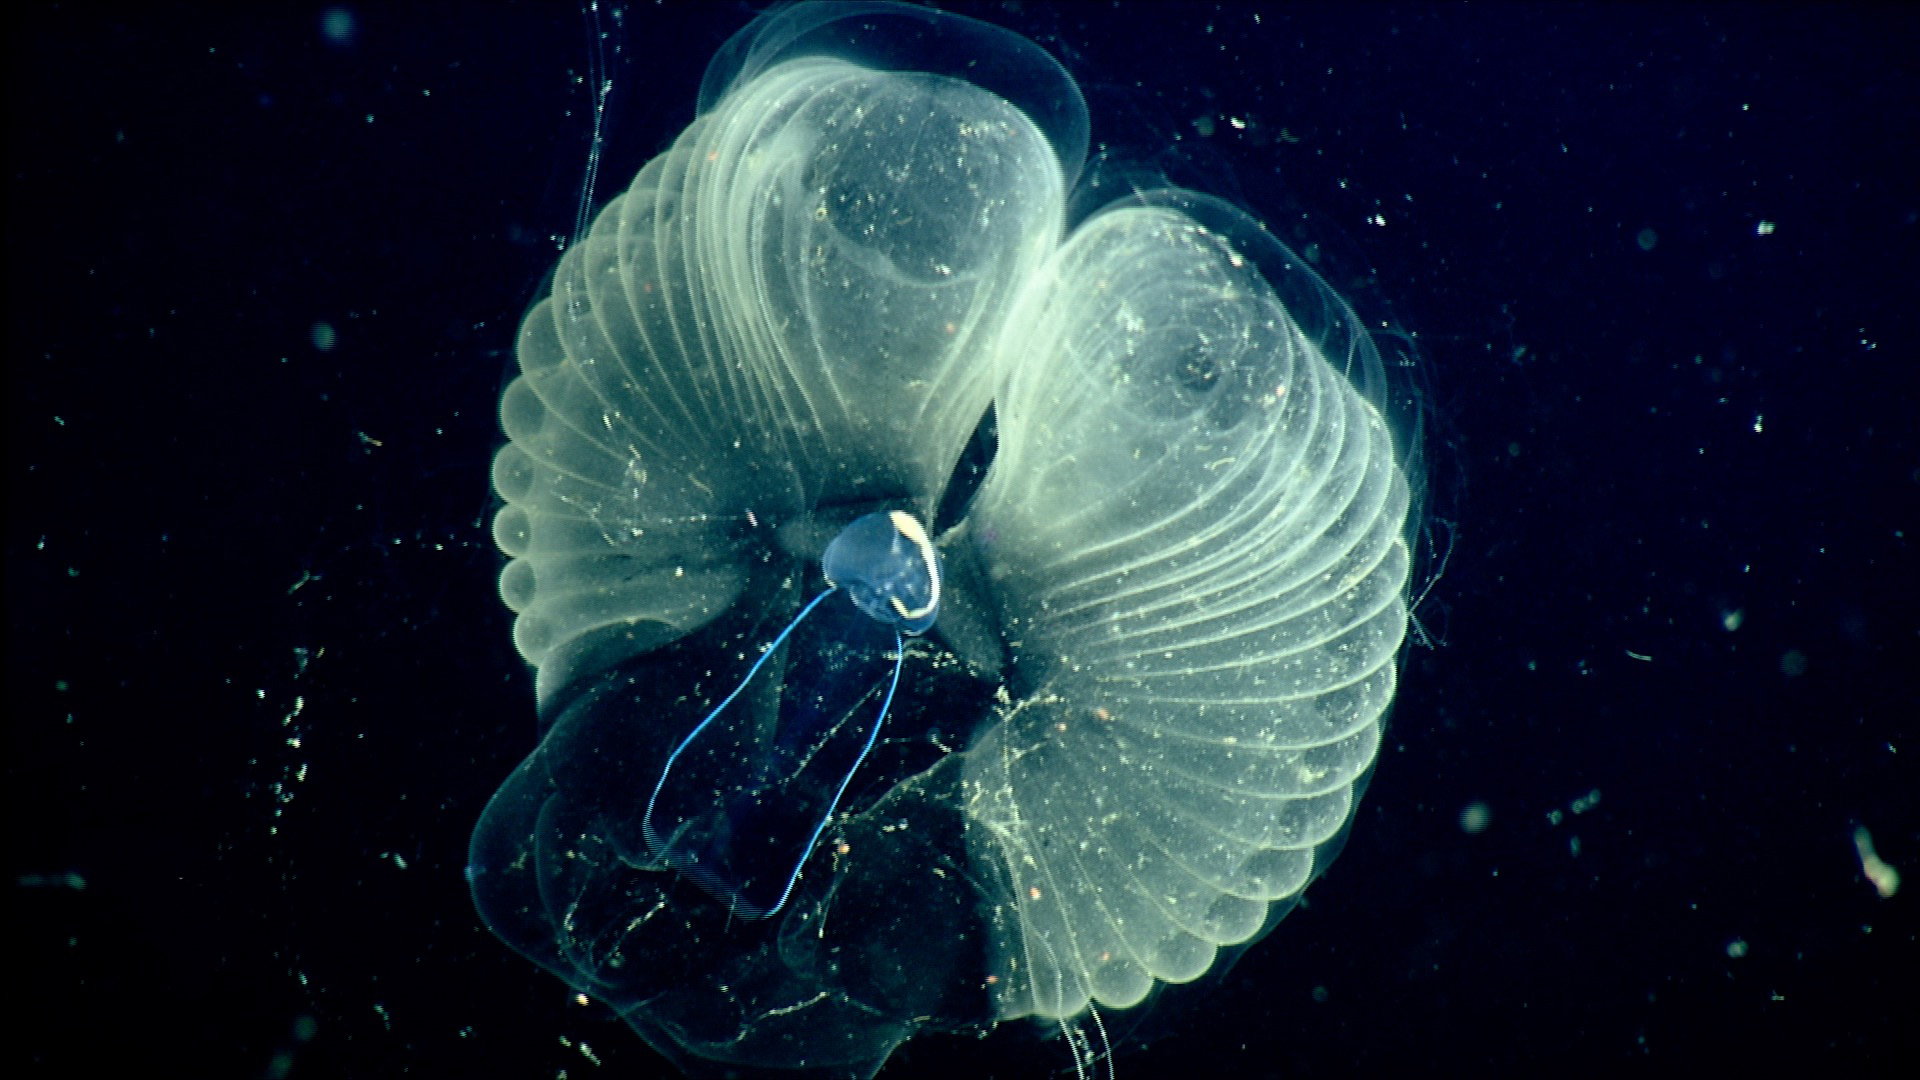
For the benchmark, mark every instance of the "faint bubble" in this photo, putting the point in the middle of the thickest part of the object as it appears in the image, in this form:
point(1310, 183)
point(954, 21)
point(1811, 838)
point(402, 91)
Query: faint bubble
point(1793, 663)
point(1475, 817)
point(1736, 948)
point(324, 336)
point(339, 27)
point(1320, 994)
point(1647, 239)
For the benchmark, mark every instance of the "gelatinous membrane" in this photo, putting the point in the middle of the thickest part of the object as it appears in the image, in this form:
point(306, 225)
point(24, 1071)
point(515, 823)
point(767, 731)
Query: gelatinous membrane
point(741, 801)
point(1169, 614)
